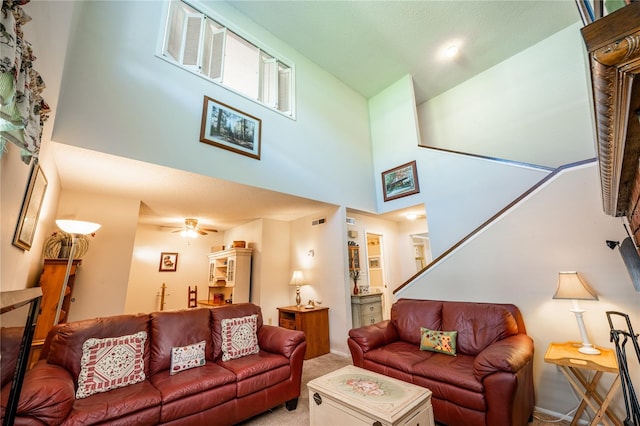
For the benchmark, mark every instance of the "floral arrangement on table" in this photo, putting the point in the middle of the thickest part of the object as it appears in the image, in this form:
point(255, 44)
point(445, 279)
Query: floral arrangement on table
point(58, 245)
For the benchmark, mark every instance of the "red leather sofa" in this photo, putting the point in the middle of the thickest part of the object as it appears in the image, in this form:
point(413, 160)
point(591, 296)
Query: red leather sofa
point(488, 382)
point(218, 392)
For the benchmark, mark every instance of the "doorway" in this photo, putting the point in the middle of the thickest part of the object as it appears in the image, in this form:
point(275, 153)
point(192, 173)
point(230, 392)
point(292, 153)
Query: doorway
point(376, 269)
point(421, 251)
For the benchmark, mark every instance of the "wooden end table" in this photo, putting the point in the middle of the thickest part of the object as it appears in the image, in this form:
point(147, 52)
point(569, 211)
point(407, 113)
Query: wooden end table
point(572, 363)
point(314, 321)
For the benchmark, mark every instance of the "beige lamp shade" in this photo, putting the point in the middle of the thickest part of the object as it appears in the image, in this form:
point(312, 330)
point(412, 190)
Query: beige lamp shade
point(77, 227)
point(572, 286)
point(297, 278)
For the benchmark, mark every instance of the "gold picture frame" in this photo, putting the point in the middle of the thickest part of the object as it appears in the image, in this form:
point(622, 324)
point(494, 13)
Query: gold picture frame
point(30, 211)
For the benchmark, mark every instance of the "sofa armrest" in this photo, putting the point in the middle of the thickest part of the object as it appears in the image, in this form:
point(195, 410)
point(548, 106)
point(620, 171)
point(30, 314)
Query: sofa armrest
point(47, 395)
point(279, 340)
point(509, 355)
point(374, 335)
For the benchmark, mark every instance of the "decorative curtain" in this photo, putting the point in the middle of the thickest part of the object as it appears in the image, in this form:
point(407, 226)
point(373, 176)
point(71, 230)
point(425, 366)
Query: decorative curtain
point(23, 111)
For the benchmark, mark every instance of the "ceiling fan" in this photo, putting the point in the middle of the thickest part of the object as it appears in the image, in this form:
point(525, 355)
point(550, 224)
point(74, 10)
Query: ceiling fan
point(191, 229)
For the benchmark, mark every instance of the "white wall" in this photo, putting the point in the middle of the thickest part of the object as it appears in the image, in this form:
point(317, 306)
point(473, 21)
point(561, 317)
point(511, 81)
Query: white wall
point(20, 268)
point(560, 227)
point(133, 93)
point(459, 192)
point(273, 273)
point(145, 279)
point(325, 271)
point(101, 283)
point(526, 108)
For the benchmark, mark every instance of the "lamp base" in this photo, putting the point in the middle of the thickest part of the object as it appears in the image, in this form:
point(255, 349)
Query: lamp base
point(589, 350)
point(298, 299)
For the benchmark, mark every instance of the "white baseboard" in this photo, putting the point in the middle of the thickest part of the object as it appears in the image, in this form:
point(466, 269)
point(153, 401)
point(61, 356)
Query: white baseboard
point(561, 416)
point(333, 351)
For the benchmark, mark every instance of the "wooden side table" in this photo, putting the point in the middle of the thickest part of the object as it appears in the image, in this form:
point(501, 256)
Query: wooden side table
point(315, 324)
point(571, 362)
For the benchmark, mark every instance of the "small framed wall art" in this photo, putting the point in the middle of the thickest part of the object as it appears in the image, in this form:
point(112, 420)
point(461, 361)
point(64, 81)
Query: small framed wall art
point(400, 181)
point(229, 128)
point(168, 262)
point(30, 211)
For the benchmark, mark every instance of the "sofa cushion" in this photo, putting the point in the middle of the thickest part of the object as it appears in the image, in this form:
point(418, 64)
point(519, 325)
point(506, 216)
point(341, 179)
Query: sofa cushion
point(66, 344)
point(110, 363)
point(399, 355)
point(408, 315)
point(258, 371)
point(186, 357)
point(455, 395)
point(171, 329)
point(239, 337)
point(457, 371)
point(478, 324)
point(189, 382)
point(226, 312)
point(438, 341)
point(140, 402)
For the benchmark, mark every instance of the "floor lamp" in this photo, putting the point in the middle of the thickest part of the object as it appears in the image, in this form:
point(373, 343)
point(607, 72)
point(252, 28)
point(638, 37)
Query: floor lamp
point(76, 228)
point(571, 286)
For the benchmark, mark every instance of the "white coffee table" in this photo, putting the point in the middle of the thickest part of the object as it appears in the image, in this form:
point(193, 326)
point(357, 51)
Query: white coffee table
point(353, 396)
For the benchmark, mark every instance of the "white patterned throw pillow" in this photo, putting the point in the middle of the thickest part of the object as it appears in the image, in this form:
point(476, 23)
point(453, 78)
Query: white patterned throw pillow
point(239, 337)
point(111, 363)
point(186, 357)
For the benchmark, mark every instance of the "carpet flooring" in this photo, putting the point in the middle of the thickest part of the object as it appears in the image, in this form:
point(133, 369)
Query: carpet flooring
point(319, 366)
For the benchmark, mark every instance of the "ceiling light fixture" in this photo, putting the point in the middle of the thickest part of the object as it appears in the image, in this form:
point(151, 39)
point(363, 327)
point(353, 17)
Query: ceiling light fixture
point(451, 51)
point(411, 216)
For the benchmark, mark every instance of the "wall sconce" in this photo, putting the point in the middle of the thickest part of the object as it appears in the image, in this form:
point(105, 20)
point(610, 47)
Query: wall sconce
point(571, 286)
point(76, 228)
point(297, 279)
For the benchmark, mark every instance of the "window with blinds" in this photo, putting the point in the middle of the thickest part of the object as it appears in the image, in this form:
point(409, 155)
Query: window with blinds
point(199, 44)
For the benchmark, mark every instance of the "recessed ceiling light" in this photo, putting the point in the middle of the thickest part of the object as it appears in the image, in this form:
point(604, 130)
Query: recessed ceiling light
point(451, 51)
point(411, 216)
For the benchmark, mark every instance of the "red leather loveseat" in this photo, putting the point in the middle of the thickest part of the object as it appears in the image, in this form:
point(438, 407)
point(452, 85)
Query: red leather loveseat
point(216, 390)
point(489, 380)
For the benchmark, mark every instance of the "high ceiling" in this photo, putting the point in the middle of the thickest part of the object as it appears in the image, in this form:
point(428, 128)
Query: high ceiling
point(368, 45)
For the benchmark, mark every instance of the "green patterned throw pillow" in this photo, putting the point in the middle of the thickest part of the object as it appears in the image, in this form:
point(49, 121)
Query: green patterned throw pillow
point(438, 341)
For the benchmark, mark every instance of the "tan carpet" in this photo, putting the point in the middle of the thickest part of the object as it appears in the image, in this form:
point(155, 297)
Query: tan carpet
point(319, 366)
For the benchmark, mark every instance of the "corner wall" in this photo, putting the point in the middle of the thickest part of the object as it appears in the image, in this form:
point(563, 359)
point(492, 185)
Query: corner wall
point(561, 227)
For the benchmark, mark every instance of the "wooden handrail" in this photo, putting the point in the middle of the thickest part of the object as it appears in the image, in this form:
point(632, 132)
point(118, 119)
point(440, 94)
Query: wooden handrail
point(492, 218)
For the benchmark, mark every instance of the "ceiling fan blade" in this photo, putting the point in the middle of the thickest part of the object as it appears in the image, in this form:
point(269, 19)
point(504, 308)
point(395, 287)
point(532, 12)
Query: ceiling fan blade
point(209, 229)
point(201, 232)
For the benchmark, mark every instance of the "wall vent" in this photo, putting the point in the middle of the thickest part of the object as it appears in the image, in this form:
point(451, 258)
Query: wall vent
point(351, 221)
point(318, 221)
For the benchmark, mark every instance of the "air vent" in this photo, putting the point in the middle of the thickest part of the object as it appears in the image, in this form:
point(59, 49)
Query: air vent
point(318, 221)
point(351, 221)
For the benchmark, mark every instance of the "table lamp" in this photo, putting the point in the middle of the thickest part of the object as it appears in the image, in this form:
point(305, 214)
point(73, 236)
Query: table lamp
point(571, 286)
point(297, 279)
point(76, 228)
